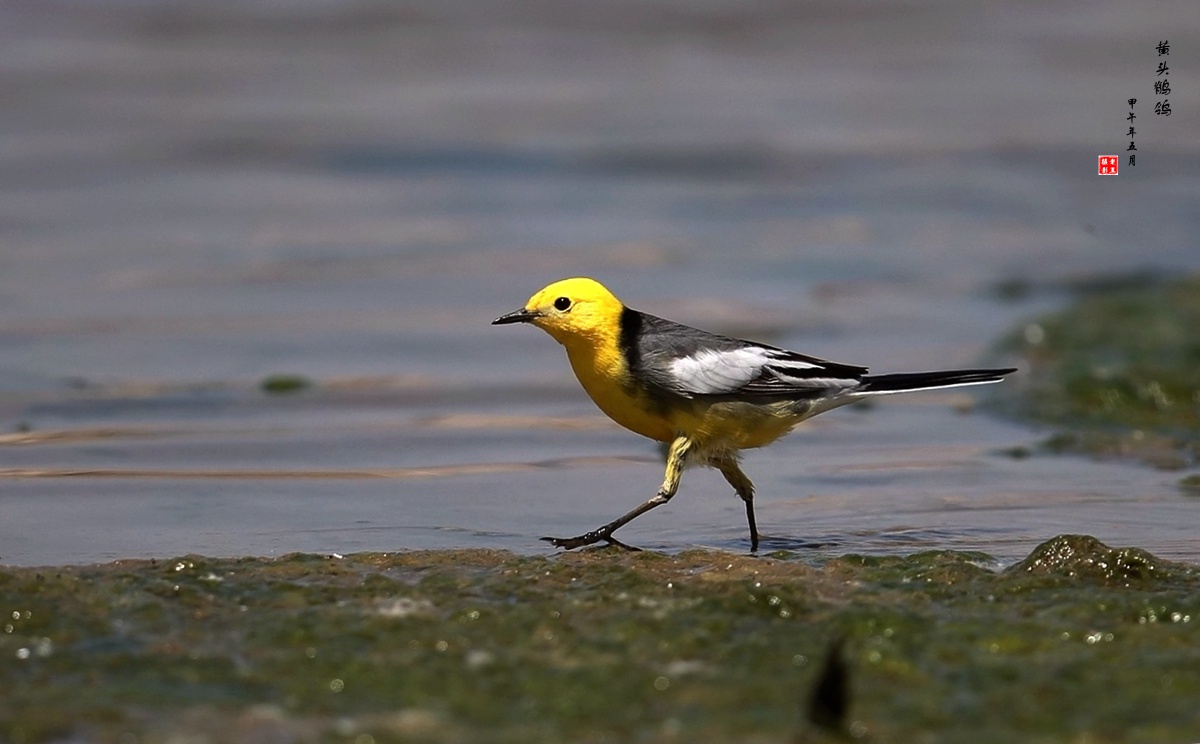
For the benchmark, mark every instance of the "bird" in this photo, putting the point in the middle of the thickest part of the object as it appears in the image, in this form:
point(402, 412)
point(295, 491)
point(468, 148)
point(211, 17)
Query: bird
point(706, 396)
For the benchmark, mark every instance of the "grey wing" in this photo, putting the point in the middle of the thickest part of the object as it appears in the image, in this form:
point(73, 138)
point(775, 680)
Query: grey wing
point(694, 363)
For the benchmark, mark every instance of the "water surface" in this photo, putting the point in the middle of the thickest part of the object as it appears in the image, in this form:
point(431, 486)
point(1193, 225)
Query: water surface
point(196, 196)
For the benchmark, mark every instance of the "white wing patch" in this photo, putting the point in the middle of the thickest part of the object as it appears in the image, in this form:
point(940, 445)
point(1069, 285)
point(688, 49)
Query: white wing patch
point(713, 371)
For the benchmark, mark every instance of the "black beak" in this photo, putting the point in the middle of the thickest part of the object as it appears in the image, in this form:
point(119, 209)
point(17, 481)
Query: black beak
point(517, 316)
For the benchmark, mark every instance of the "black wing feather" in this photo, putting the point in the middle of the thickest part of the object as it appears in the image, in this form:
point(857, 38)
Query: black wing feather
point(653, 344)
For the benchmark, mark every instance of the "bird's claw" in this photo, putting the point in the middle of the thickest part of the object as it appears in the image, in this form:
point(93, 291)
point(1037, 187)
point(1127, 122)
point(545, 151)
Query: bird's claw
point(569, 543)
point(590, 538)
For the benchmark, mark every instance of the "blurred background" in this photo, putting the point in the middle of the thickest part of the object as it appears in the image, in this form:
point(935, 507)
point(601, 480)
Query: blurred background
point(197, 196)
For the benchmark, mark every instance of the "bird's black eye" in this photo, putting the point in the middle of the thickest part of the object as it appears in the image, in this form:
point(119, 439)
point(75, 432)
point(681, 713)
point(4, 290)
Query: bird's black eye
point(562, 304)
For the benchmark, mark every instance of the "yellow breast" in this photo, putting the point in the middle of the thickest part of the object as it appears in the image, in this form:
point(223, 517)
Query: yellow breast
point(604, 375)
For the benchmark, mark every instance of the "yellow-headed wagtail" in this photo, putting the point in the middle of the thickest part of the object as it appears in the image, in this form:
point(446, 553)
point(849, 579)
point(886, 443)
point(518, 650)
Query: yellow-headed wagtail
point(709, 396)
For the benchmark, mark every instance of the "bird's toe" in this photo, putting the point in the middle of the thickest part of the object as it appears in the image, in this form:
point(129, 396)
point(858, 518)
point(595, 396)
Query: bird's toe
point(568, 543)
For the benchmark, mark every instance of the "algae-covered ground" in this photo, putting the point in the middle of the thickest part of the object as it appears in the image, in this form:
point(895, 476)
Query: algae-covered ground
point(1076, 643)
point(1117, 372)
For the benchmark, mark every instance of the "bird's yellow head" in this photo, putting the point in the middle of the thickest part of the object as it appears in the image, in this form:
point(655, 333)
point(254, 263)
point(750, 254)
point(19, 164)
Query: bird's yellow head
point(578, 309)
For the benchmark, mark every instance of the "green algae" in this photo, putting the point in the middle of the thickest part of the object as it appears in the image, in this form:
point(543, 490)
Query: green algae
point(281, 384)
point(1117, 372)
point(1077, 642)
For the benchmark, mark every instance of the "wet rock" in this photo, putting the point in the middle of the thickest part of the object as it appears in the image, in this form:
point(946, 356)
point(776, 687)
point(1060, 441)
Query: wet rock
point(1084, 557)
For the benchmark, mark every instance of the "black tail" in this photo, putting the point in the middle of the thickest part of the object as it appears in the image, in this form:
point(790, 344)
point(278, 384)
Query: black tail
point(907, 381)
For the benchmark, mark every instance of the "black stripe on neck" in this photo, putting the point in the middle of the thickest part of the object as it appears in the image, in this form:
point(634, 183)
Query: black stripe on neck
point(631, 328)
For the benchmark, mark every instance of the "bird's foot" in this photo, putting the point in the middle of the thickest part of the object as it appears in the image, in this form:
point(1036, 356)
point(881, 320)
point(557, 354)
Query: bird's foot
point(589, 538)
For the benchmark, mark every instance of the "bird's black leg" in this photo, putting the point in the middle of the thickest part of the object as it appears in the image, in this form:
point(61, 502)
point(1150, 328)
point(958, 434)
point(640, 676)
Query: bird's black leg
point(745, 489)
point(676, 459)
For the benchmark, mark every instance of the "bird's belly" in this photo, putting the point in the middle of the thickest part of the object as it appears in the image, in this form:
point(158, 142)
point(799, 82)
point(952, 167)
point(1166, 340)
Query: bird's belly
point(719, 425)
point(736, 425)
point(637, 414)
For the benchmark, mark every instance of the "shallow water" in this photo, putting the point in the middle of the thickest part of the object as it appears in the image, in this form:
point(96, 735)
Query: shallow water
point(196, 197)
